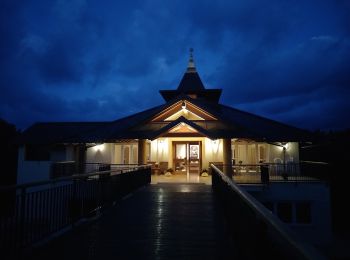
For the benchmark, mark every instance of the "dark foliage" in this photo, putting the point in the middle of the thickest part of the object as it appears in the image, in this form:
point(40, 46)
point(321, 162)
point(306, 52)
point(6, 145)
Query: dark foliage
point(333, 148)
point(8, 153)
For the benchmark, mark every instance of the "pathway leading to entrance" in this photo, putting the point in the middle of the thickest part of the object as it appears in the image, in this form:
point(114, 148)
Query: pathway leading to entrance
point(162, 221)
point(181, 178)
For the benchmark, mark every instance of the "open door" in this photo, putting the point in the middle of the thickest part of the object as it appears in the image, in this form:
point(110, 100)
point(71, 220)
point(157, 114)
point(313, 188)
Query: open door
point(187, 157)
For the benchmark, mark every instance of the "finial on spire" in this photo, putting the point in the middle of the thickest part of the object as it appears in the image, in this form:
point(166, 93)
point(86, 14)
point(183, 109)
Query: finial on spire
point(191, 67)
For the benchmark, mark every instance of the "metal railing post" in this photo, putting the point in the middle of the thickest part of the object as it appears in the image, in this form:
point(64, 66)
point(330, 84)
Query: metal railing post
point(248, 219)
point(43, 208)
point(22, 218)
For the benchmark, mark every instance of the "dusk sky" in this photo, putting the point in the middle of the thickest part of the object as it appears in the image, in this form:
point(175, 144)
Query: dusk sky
point(80, 60)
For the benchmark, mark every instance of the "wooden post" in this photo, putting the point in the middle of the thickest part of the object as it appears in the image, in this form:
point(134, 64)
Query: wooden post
point(142, 152)
point(284, 160)
point(246, 154)
point(227, 154)
point(80, 158)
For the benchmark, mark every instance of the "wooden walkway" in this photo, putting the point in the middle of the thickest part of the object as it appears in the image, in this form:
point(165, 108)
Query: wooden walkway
point(162, 221)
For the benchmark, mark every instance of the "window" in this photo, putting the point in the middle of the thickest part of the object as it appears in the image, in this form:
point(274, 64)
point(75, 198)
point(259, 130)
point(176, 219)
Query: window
point(262, 154)
point(134, 154)
point(251, 154)
point(194, 151)
point(37, 153)
point(126, 155)
point(303, 212)
point(268, 205)
point(291, 212)
point(148, 151)
point(285, 211)
point(240, 153)
point(181, 151)
point(234, 156)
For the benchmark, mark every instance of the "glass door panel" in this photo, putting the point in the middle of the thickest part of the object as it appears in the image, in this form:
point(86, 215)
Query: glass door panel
point(194, 162)
point(187, 157)
point(180, 160)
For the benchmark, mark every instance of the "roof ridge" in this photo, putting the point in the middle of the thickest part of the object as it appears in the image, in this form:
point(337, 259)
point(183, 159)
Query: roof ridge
point(138, 113)
point(262, 117)
point(178, 121)
point(71, 122)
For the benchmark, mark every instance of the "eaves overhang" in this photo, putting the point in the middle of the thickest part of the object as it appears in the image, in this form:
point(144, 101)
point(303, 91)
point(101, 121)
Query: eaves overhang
point(167, 128)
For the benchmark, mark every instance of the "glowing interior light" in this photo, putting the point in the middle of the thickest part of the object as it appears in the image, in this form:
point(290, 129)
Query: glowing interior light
point(215, 145)
point(284, 146)
point(99, 147)
point(161, 145)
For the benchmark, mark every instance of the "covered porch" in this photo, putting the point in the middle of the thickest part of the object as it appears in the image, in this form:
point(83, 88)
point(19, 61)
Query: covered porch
point(186, 158)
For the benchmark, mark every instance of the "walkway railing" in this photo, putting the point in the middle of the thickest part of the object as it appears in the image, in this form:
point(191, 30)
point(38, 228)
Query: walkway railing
point(257, 232)
point(278, 172)
point(69, 168)
point(32, 212)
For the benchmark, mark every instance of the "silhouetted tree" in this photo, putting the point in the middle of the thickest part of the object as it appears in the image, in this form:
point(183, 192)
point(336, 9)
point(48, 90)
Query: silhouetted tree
point(334, 148)
point(8, 153)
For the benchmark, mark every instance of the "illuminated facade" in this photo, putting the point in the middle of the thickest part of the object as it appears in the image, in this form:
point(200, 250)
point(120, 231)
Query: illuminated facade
point(187, 133)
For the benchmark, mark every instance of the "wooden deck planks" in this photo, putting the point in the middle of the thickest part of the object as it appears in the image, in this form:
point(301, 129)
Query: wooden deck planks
point(163, 221)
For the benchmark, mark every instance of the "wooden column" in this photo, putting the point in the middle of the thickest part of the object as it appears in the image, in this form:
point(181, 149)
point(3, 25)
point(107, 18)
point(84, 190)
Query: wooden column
point(227, 154)
point(246, 154)
point(142, 155)
point(236, 151)
point(80, 158)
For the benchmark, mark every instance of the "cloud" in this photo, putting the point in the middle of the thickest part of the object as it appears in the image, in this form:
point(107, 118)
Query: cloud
point(321, 109)
point(83, 60)
point(325, 38)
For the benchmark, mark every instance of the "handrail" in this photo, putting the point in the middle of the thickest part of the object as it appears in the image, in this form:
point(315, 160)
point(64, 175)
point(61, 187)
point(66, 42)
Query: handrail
point(278, 172)
point(305, 250)
point(31, 214)
point(127, 164)
point(274, 163)
point(313, 162)
point(68, 178)
point(63, 162)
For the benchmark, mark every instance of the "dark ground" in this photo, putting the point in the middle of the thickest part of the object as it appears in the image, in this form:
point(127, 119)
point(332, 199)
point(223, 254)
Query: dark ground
point(163, 221)
point(332, 147)
point(8, 153)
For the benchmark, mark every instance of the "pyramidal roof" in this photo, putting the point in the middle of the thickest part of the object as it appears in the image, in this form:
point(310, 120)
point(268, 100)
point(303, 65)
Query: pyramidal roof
point(191, 81)
point(191, 84)
point(216, 121)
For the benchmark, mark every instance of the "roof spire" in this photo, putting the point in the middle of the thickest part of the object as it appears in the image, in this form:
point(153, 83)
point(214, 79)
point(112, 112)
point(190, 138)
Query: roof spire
point(191, 67)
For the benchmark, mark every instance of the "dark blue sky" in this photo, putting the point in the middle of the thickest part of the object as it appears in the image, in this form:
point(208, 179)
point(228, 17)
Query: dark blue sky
point(80, 60)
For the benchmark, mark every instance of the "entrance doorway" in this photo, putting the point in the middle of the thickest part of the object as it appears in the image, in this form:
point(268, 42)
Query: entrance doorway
point(187, 158)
